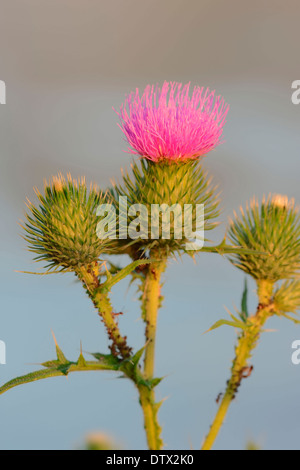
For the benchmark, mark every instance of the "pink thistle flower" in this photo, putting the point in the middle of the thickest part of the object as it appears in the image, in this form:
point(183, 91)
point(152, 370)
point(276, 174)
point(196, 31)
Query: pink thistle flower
point(167, 124)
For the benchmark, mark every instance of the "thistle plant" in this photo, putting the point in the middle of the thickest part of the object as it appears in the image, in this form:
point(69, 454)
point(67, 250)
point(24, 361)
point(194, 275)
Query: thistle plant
point(152, 215)
point(274, 228)
point(170, 131)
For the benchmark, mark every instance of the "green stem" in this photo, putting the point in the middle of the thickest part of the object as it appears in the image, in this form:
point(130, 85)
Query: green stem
point(151, 304)
point(89, 277)
point(102, 303)
point(264, 291)
point(240, 368)
point(151, 300)
point(150, 409)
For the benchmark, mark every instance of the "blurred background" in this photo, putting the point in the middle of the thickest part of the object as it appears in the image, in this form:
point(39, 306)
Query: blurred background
point(66, 63)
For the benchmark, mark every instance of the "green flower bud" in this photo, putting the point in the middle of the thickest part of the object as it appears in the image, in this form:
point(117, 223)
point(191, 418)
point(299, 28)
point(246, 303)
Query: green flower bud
point(176, 185)
point(62, 230)
point(272, 228)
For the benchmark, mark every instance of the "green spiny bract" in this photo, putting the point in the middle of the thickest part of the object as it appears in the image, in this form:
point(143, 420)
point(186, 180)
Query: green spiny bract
point(62, 230)
point(287, 298)
point(272, 228)
point(171, 184)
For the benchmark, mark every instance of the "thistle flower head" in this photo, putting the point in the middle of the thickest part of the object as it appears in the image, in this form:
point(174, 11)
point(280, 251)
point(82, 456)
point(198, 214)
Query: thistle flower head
point(166, 198)
point(62, 230)
point(168, 124)
point(272, 227)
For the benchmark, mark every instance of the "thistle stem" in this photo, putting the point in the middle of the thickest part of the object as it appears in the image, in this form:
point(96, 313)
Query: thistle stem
point(89, 276)
point(151, 304)
point(101, 301)
point(150, 409)
point(246, 344)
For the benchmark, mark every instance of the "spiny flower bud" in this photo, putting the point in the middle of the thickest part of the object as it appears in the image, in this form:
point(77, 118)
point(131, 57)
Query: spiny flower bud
point(272, 228)
point(168, 197)
point(62, 230)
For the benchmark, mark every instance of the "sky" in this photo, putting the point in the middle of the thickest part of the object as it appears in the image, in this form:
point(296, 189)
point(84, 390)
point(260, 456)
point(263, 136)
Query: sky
point(66, 65)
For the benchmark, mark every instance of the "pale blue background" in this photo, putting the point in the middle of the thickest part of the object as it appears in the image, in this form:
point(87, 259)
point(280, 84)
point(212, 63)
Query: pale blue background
point(66, 63)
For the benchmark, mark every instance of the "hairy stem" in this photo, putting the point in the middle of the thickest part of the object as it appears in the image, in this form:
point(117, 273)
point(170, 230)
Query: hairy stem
point(246, 344)
point(100, 299)
point(151, 425)
point(151, 304)
point(119, 345)
point(151, 300)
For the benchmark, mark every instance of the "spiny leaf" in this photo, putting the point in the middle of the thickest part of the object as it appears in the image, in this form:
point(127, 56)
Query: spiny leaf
point(237, 324)
point(156, 381)
point(54, 271)
point(106, 286)
point(32, 377)
point(60, 355)
point(140, 380)
point(114, 269)
point(235, 319)
point(136, 358)
point(223, 249)
point(50, 364)
point(56, 370)
point(159, 404)
point(107, 360)
point(64, 368)
point(81, 362)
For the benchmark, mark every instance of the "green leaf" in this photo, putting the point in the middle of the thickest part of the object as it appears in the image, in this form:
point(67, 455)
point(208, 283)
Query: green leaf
point(114, 269)
point(244, 304)
point(156, 381)
point(32, 377)
point(56, 370)
point(60, 355)
point(81, 361)
point(106, 286)
point(235, 324)
point(108, 360)
point(137, 357)
point(223, 249)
